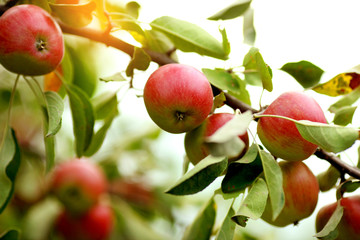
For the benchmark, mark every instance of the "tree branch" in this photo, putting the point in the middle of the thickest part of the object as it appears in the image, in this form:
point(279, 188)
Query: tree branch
point(231, 101)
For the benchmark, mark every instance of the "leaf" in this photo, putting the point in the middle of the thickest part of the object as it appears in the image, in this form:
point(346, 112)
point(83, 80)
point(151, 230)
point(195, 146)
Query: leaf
point(343, 116)
point(158, 41)
point(10, 235)
point(225, 41)
point(304, 72)
point(346, 100)
point(349, 186)
point(273, 178)
point(140, 60)
point(233, 11)
point(331, 225)
point(341, 84)
point(76, 15)
point(133, 8)
point(250, 155)
point(248, 27)
point(227, 228)
point(49, 142)
point(219, 100)
point(328, 179)
point(55, 109)
point(254, 204)
point(9, 166)
point(228, 81)
point(265, 73)
point(189, 37)
point(105, 105)
point(117, 77)
point(331, 138)
point(82, 116)
point(199, 177)
point(202, 226)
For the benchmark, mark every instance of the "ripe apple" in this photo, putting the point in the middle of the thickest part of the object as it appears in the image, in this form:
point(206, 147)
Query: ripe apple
point(195, 147)
point(281, 136)
point(178, 97)
point(95, 224)
point(31, 42)
point(349, 225)
point(301, 194)
point(78, 184)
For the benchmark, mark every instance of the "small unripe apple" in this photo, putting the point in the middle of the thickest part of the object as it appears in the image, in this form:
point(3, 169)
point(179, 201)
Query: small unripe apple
point(95, 224)
point(349, 225)
point(195, 146)
point(78, 184)
point(281, 136)
point(178, 97)
point(31, 42)
point(301, 191)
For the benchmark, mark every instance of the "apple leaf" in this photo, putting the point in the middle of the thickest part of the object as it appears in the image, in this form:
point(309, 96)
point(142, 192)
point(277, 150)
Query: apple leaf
point(55, 109)
point(189, 37)
point(10, 235)
point(9, 166)
point(264, 71)
point(241, 175)
point(346, 100)
point(343, 116)
point(140, 60)
point(82, 116)
point(349, 186)
point(105, 105)
point(273, 178)
point(341, 84)
point(76, 15)
point(331, 138)
point(227, 228)
point(199, 177)
point(328, 179)
point(201, 227)
point(233, 11)
point(330, 227)
point(225, 41)
point(248, 27)
point(117, 77)
point(158, 41)
point(228, 81)
point(254, 204)
point(250, 155)
point(304, 72)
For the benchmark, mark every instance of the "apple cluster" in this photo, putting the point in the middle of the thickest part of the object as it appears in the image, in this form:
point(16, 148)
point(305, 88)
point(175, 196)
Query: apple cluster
point(80, 186)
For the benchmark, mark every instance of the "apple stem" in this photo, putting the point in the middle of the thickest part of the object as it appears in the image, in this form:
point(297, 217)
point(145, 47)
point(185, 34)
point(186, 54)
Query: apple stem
point(40, 45)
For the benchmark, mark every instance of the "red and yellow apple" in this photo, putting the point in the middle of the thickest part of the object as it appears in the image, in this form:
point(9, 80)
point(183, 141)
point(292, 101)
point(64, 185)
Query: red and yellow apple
point(280, 136)
point(178, 97)
point(31, 41)
point(349, 225)
point(195, 146)
point(301, 191)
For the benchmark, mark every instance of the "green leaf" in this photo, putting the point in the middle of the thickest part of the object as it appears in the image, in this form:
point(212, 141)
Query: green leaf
point(265, 73)
point(343, 116)
point(202, 226)
point(105, 105)
point(82, 116)
point(306, 73)
point(254, 204)
point(50, 151)
point(227, 228)
point(117, 77)
point(140, 60)
point(330, 227)
point(250, 155)
point(133, 8)
point(248, 27)
point(346, 100)
point(225, 41)
point(349, 186)
point(189, 37)
point(10, 235)
point(158, 41)
point(233, 11)
point(331, 138)
point(199, 177)
point(273, 178)
point(9, 166)
point(55, 109)
point(228, 81)
point(328, 178)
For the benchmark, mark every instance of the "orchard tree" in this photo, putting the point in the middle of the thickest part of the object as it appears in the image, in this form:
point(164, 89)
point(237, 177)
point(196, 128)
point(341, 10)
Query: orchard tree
point(56, 185)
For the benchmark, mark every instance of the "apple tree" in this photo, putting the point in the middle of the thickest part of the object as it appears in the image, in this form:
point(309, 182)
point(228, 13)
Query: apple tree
point(72, 168)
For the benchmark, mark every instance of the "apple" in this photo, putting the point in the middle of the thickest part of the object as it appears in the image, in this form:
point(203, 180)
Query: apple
point(31, 42)
point(178, 97)
point(95, 224)
point(194, 141)
point(78, 184)
point(281, 136)
point(349, 225)
point(301, 191)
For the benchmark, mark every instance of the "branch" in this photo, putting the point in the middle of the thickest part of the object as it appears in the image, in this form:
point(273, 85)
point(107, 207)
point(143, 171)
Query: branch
point(231, 101)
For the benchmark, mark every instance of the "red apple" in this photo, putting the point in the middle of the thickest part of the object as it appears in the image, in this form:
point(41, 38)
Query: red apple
point(178, 97)
point(31, 42)
point(301, 194)
point(195, 146)
point(95, 224)
point(349, 225)
point(281, 136)
point(78, 184)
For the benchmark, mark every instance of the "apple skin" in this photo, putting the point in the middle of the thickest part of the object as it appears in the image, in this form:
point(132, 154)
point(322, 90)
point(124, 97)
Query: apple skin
point(281, 136)
point(31, 42)
point(78, 184)
point(301, 191)
point(178, 97)
point(195, 146)
point(95, 224)
point(349, 226)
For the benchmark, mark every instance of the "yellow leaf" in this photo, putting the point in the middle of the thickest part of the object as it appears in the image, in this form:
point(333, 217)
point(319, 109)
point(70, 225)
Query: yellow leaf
point(339, 85)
